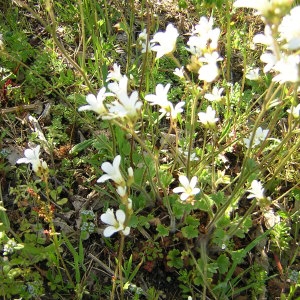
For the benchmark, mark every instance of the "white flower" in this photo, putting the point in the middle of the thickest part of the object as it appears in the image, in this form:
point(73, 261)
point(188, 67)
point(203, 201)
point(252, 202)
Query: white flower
point(288, 68)
point(204, 37)
point(253, 74)
point(116, 223)
point(96, 104)
point(215, 95)
point(174, 111)
point(119, 88)
point(260, 5)
point(166, 41)
point(295, 111)
point(115, 74)
point(290, 29)
point(260, 136)
point(179, 72)
point(187, 189)
point(196, 45)
point(161, 99)
point(256, 191)
point(113, 172)
point(205, 30)
point(208, 118)
point(209, 71)
point(271, 218)
point(270, 60)
point(265, 38)
point(267, 8)
point(161, 96)
point(124, 107)
point(32, 156)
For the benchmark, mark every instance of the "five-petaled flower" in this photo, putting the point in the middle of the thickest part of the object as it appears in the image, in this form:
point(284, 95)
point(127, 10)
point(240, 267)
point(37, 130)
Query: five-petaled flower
point(215, 95)
point(161, 99)
point(209, 71)
point(126, 106)
point(116, 223)
point(96, 103)
point(188, 189)
point(112, 172)
point(259, 136)
point(32, 156)
point(208, 118)
point(290, 29)
point(115, 73)
point(166, 41)
point(256, 191)
point(288, 68)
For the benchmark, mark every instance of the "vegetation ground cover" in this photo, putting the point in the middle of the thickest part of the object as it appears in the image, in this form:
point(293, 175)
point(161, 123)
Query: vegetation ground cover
point(149, 149)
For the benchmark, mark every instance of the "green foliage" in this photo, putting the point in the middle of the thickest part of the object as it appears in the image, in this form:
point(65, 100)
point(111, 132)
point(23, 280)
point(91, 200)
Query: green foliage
point(174, 259)
point(201, 228)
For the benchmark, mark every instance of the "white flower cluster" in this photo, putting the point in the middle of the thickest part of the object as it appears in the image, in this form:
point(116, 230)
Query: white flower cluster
point(282, 53)
point(203, 46)
point(117, 222)
point(123, 107)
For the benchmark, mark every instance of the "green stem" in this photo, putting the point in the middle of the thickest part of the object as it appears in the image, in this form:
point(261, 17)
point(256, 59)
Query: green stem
point(82, 18)
point(54, 235)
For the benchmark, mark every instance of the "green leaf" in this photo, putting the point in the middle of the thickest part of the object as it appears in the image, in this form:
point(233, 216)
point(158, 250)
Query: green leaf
point(218, 198)
point(123, 143)
point(190, 232)
point(251, 168)
point(223, 263)
point(4, 221)
point(166, 178)
point(133, 222)
point(190, 220)
point(162, 230)
point(205, 203)
point(178, 210)
point(81, 146)
point(62, 201)
point(174, 259)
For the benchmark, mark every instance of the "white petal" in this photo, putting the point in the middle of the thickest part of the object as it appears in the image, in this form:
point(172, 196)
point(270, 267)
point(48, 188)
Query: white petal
point(91, 99)
point(107, 168)
point(109, 217)
point(23, 160)
point(195, 191)
point(117, 161)
point(184, 196)
point(126, 231)
point(178, 190)
point(85, 107)
point(103, 178)
point(109, 231)
point(120, 216)
point(184, 181)
point(193, 182)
